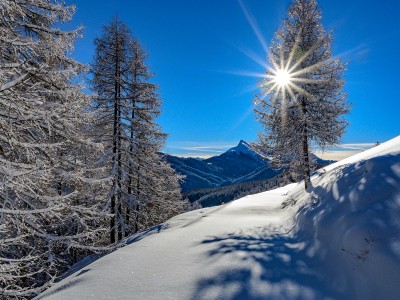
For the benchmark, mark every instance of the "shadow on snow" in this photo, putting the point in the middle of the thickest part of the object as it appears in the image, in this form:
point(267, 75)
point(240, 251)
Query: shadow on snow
point(263, 267)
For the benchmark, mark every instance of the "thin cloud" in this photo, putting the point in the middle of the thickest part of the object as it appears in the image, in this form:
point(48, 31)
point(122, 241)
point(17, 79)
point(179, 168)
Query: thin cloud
point(353, 53)
point(343, 151)
point(201, 149)
point(336, 155)
point(194, 149)
point(192, 155)
point(359, 146)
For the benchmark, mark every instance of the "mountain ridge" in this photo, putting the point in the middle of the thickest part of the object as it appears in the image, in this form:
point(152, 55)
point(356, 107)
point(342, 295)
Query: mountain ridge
point(239, 164)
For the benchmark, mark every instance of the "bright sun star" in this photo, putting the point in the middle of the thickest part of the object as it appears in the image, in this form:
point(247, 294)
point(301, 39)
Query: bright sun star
point(282, 78)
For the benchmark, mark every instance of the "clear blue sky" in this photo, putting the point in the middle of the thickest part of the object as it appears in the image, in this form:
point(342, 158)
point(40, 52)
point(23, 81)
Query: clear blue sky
point(203, 50)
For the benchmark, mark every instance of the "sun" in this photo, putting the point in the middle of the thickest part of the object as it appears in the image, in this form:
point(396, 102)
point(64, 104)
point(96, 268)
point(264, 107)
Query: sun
point(282, 77)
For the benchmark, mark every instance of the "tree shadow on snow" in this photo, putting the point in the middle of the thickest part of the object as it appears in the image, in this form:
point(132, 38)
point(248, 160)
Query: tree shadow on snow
point(364, 193)
point(261, 266)
point(353, 213)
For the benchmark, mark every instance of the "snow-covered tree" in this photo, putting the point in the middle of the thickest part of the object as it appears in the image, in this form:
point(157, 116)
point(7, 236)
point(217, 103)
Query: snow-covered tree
point(49, 213)
point(112, 78)
point(153, 187)
point(303, 102)
point(127, 106)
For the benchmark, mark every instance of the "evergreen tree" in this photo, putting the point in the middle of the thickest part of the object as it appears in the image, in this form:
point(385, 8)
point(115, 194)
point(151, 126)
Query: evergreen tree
point(127, 106)
point(303, 101)
point(48, 216)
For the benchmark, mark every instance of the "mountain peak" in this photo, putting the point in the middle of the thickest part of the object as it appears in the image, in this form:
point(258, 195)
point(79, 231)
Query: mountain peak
point(243, 143)
point(243, 147)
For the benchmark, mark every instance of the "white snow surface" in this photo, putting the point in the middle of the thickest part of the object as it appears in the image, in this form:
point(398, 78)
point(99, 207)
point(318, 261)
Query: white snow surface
point(339, 240)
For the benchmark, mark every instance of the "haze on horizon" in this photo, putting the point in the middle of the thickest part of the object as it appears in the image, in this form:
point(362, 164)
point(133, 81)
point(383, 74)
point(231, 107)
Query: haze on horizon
point(204, 151)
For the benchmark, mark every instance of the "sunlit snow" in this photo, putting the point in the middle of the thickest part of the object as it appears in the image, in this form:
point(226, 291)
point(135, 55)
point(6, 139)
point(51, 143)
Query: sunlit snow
point(340, 240)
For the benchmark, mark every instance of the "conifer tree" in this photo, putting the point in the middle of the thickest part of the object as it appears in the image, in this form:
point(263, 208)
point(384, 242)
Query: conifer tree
point(127, 105)
point(111, 82)
point(47, 211)
point(303, 102)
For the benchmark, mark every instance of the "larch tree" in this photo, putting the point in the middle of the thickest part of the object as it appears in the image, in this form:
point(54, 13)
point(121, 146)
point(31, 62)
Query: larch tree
point(127, 105)
point(112, 77)
point(302, 102)
point(48, 216)
point(153, 188)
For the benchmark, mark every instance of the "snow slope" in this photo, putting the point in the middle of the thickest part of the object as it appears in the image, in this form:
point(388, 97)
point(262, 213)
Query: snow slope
point(350, 221)
point(340, 240)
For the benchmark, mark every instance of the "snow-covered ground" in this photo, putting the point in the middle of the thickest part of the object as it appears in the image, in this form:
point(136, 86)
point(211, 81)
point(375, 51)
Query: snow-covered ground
point(340, 240)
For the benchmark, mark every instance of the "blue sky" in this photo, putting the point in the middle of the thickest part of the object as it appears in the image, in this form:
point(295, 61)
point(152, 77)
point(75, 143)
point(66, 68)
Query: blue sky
point(204, 52)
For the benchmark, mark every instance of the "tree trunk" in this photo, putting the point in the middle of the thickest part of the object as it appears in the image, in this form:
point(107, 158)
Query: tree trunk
point(137, 195)
point(130, 183)
point(120, 217)
point(119, 156)
point(113, 198)
point(137, 219)
point(116, 152)
point(306, 165)
point(306, 158)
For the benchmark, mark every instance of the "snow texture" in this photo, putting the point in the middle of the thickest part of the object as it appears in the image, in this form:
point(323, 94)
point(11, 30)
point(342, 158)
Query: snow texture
point(340, 240)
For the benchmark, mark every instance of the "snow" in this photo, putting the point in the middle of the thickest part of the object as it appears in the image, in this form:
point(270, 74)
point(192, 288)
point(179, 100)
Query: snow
point(339, 240)
point(245, 148)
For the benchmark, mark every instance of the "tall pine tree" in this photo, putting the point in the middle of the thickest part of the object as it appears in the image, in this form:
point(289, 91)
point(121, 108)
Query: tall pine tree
point(303, 101)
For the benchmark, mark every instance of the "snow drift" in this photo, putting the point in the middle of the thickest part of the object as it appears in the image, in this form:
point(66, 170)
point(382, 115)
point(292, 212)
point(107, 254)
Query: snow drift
point(339, 240)
point(350, 222)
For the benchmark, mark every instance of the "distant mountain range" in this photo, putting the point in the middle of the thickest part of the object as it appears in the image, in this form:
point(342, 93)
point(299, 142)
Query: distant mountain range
point(237, 165)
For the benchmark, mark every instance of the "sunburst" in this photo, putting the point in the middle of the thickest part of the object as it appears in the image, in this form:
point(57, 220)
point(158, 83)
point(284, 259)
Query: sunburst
point(288, 77)
point(282, 78)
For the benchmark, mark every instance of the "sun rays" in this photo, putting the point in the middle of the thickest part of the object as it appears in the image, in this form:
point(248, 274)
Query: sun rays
point(289, 76)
